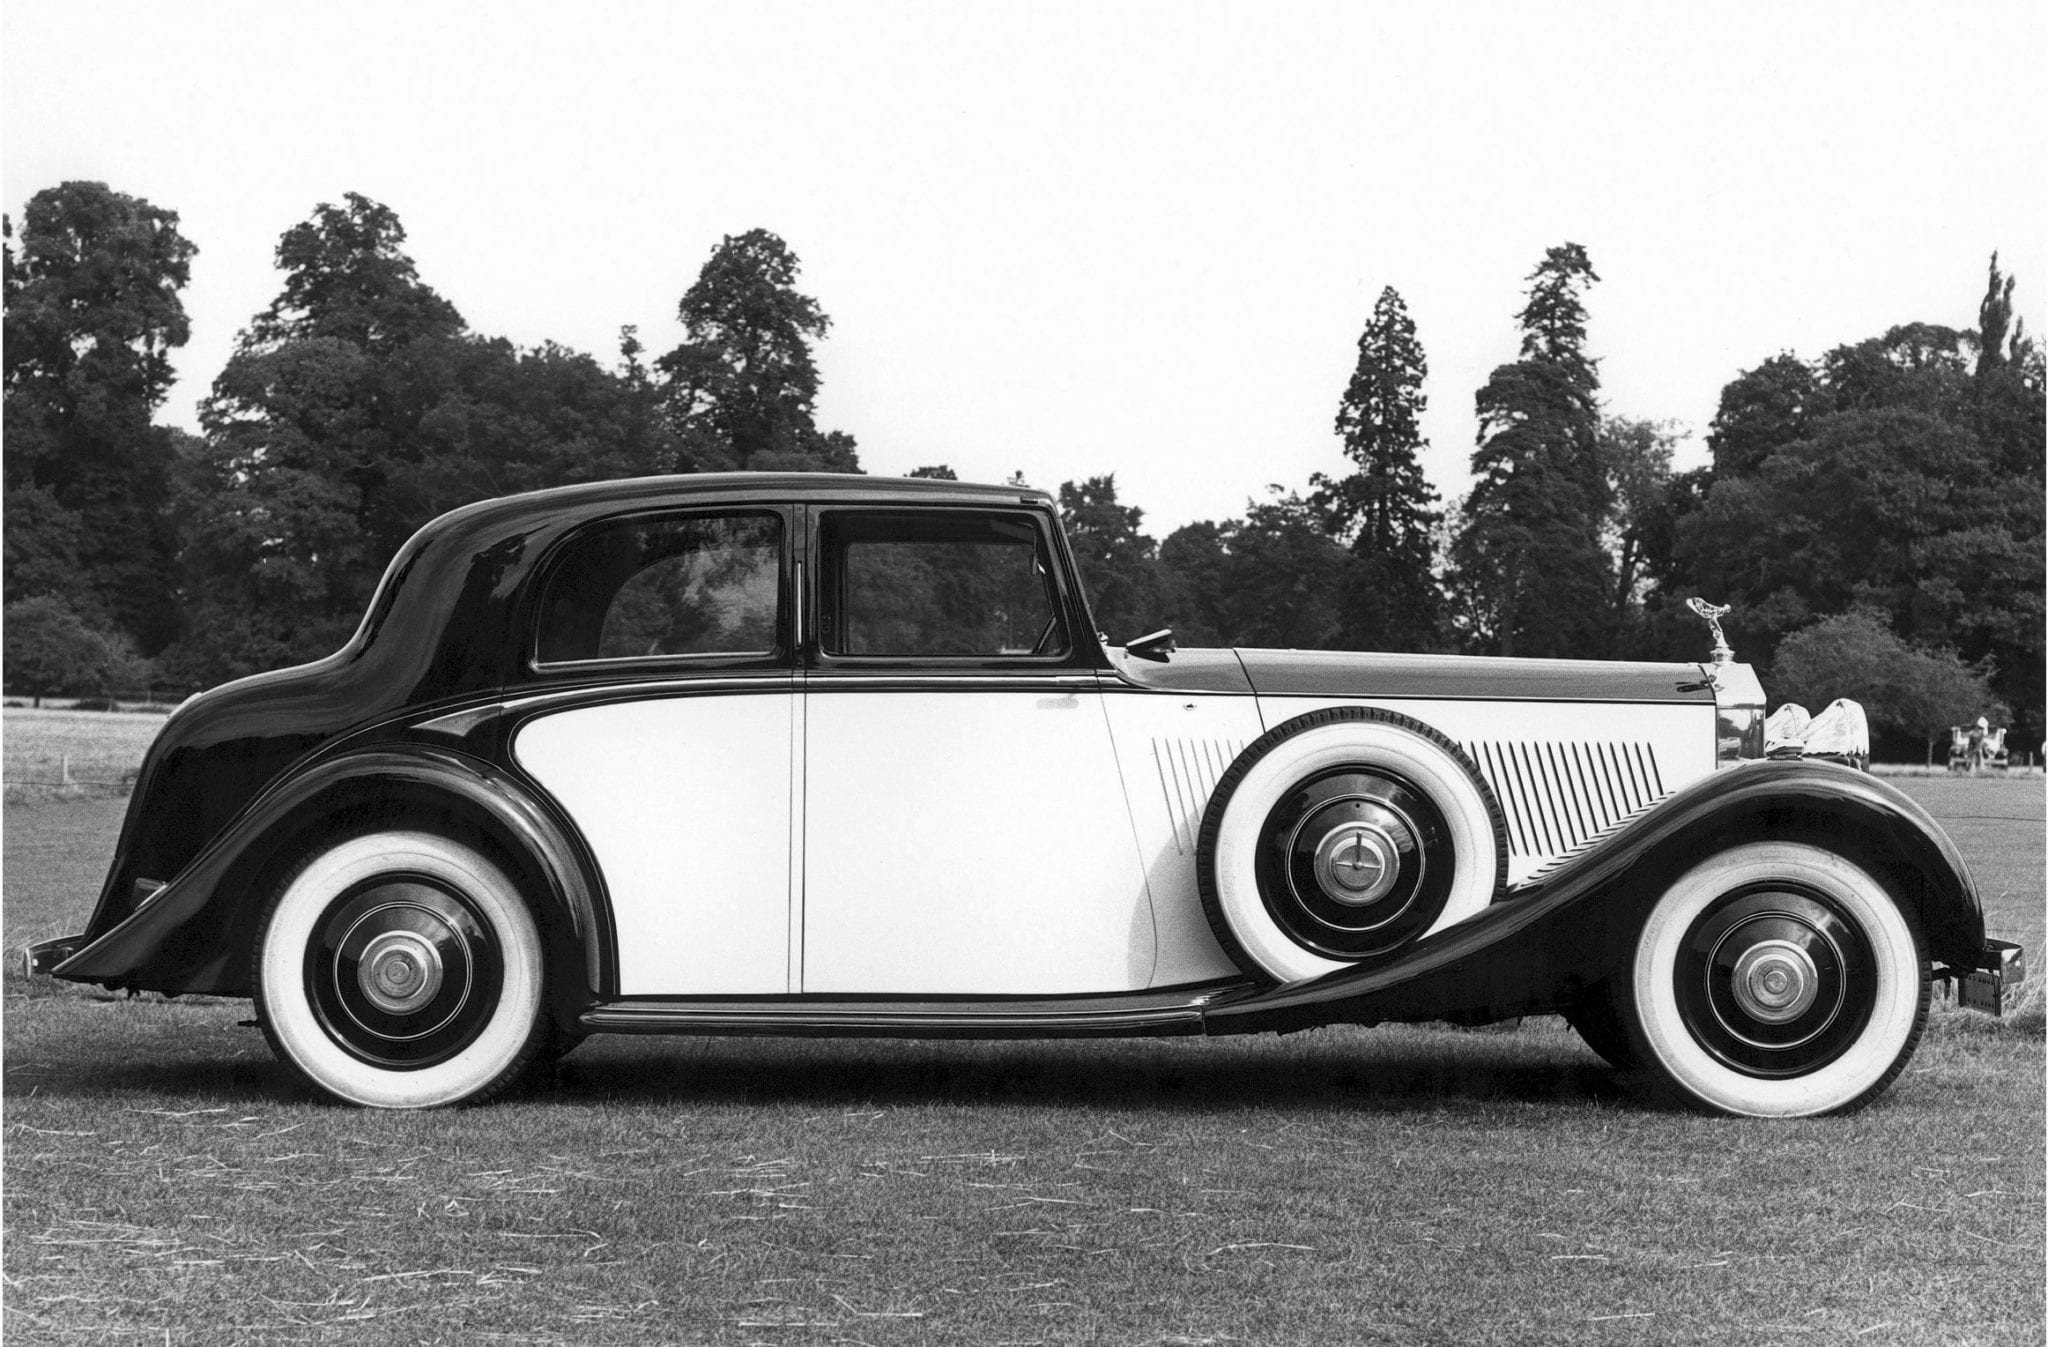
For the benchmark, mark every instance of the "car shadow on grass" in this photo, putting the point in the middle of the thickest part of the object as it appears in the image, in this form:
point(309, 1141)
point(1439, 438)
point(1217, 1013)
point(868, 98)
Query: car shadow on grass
point(174, 1064)
point(1418, 1072)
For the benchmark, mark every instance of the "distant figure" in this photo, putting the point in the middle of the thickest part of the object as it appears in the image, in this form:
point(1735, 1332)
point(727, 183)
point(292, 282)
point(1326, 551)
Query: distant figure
point(1973, 751)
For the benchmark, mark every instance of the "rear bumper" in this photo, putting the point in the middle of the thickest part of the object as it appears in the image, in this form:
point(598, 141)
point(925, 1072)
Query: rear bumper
point(41, 958)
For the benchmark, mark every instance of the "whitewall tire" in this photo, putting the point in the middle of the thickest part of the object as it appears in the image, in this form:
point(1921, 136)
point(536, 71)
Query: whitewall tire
point(401, 970)
point(1344, 835)
point(1776, 980)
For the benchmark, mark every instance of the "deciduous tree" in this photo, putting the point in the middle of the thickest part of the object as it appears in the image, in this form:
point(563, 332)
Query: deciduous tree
point(742, 386)
point(1637, 455)
point(1118, 563)
point(93, 312)
point(1762, 410)
point(1910, 692)
point(1272, 578)
point(51, 650)
point(1909, 481)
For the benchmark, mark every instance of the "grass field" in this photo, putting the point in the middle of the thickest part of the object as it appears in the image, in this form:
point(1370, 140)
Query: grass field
point(166, 1182)
point(98, 751)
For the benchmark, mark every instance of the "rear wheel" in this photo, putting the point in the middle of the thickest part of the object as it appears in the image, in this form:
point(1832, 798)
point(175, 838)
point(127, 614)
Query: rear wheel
point(401, 970)
point(1776, 979)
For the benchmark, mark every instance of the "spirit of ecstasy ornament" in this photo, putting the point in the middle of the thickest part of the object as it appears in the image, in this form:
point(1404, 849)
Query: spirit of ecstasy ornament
point(1713, 613)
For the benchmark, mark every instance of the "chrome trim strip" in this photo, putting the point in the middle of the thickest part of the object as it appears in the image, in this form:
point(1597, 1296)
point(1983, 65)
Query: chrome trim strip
point(819, 681)
point(460, 724)
point(1139, 1013)
point(1376, 697)
point(779, 680)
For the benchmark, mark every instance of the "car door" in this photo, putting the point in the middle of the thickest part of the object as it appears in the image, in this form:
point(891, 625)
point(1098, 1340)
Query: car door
point(665, 728)
point(964, 826)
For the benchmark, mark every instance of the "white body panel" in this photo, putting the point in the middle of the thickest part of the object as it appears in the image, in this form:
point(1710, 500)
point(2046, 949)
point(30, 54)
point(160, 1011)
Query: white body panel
point(969, 842)
point(1172, 748)
point(1562, 771)
point(687, 804)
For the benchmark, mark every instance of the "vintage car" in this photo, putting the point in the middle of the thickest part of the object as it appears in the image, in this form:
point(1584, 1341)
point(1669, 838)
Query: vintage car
point(789, 754)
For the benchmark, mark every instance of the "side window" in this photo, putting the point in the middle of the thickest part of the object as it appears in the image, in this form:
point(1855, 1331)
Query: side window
point(938, 584)
point(706, 585)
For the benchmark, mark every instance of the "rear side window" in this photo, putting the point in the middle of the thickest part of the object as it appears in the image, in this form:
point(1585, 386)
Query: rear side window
point(939, 584)
point(701, 585)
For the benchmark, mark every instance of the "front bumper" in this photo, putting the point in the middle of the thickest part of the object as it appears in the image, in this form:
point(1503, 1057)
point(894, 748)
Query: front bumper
point(41, 958)
point(1989, 986)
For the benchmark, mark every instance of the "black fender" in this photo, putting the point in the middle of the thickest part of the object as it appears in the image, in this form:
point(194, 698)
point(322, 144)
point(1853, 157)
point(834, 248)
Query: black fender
point(1549, 942)
point(197, 933)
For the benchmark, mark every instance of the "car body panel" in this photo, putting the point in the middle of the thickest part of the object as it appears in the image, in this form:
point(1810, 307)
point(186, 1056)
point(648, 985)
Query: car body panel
point(687, 805)
point(996, 857)
point(1171, 749)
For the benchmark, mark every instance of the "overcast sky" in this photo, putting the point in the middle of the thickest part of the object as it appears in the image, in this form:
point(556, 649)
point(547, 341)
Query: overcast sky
point(1138, 239)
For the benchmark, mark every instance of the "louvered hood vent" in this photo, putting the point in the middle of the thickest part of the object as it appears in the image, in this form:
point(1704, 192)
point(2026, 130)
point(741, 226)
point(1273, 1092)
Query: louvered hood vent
point(1559, 795)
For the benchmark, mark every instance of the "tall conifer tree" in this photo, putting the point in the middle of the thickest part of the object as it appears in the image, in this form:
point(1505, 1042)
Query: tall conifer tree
point(1530, 574)
point(1386, 508)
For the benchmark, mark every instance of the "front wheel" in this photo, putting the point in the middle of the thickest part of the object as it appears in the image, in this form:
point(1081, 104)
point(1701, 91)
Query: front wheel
point(401, 970)
point(1778, 980)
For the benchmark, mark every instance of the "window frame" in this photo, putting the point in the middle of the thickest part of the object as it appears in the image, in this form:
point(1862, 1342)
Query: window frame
point(821, 575)
point(778, 659)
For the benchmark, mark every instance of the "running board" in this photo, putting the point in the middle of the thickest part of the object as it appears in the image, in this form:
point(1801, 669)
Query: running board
point(1133, 1014)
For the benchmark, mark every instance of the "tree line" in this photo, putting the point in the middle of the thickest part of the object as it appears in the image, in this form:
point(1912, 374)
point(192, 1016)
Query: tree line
point(1875, 516)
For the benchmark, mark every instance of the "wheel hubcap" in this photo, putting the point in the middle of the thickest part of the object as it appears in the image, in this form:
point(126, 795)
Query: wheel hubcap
point(1354, 863)
point(1357, 863)
point(400, 972)
point(1775, 980)
point(403, 972)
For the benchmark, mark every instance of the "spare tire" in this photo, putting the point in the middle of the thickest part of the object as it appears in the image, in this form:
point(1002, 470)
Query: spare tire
point(1340, 837)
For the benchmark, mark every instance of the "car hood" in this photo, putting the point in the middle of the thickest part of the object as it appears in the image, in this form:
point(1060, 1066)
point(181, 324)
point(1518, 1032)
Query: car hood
point(1320, 673)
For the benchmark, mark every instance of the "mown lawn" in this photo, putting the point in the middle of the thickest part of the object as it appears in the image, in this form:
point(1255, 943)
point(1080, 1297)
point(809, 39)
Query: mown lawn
point(165, 1182)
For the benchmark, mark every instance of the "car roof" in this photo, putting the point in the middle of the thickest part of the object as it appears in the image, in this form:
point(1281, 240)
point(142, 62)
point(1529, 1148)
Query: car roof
point(592, 499)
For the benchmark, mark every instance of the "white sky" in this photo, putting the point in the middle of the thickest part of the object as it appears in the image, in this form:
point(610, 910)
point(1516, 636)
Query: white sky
point(1089, 238)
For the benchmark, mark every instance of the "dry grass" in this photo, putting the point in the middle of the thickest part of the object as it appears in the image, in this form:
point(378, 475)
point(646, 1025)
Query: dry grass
point(166, 1182)
point(99, 751)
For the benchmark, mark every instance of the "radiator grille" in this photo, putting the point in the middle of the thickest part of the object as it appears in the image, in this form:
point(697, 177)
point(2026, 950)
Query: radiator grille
point(1188, 772)
point(1557, 795)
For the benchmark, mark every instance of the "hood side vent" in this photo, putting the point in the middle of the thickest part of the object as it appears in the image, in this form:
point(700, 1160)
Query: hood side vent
point(1559, 795)
point(1188, 772)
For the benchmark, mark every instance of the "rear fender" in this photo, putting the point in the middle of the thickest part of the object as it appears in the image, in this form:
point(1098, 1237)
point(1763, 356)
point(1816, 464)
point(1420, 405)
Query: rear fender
point(197, 934)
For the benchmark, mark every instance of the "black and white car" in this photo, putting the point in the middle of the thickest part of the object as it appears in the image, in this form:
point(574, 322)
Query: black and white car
point(758, 754)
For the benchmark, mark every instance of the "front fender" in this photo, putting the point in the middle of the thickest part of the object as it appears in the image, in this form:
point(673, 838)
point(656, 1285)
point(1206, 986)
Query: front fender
point(1551, 940)
point(197, 933)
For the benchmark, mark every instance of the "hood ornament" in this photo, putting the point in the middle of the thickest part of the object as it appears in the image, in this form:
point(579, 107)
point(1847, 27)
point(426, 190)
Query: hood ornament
point(1713, 613)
